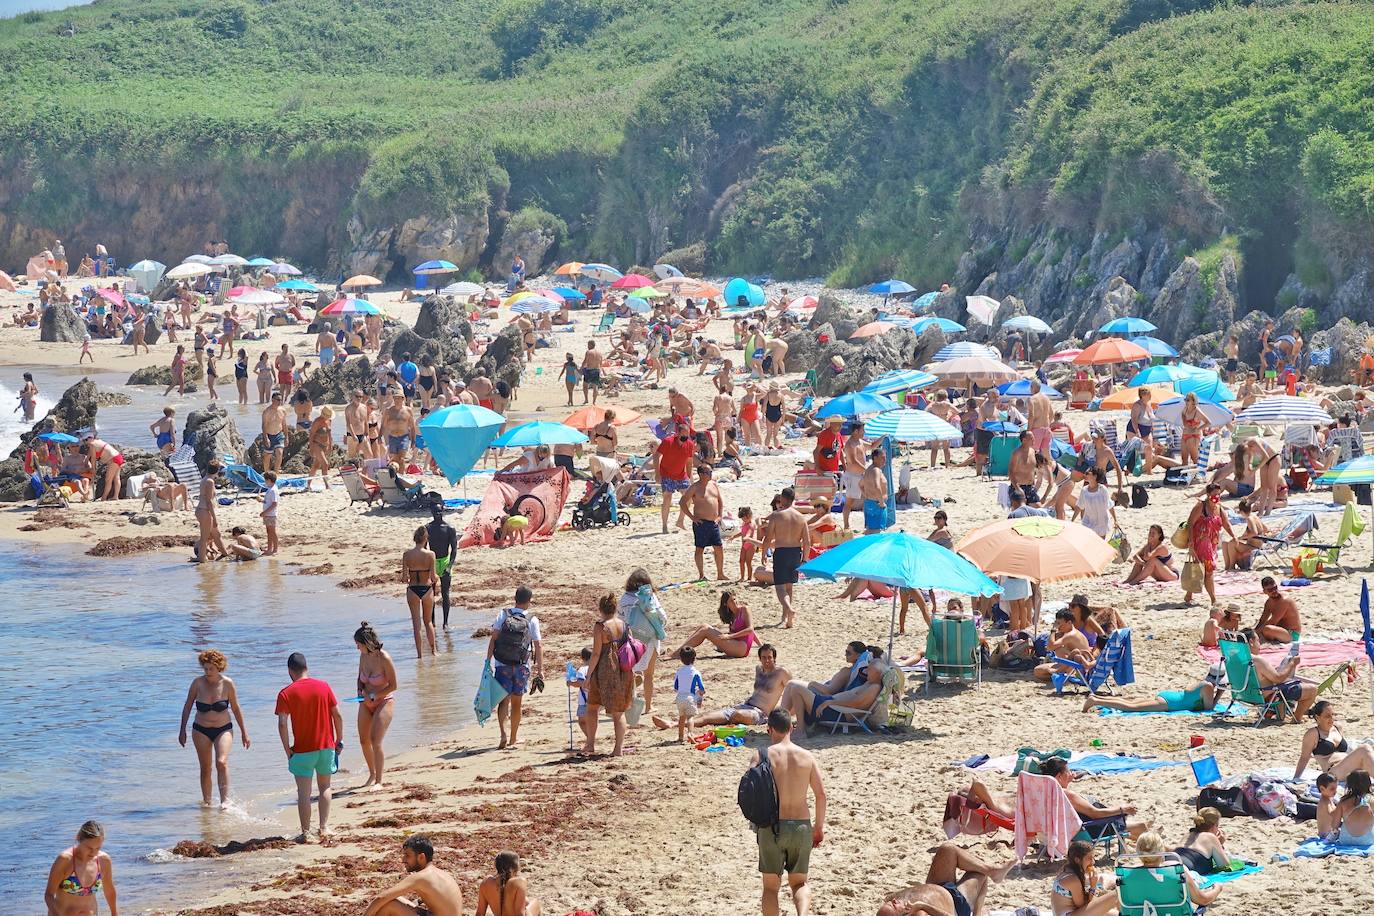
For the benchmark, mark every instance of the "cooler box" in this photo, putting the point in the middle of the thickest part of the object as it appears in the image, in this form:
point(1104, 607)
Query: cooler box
point(999, 454)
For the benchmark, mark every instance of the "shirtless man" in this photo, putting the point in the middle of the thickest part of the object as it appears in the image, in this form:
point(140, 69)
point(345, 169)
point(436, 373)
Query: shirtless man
point(98, 450)
point(873, 488)
point(481, 388)
point(854, 467)
point(1066, 641)
point(443, 540)
point(1021, 469)
point(591, 372)
point(285, 364)
point(679, 405)
point(776, 359)
point(710, 353)
point(1041, 415)
point(704, 505)
point(398, 425)
point(789, 537)
point(942, 408)
point(1279, 621)
point(723, 409)
point(944, 893)
point(437, 892)
point(769, 683)
point(787, 847)
point(355, 424)
point(1283, 679)
point(273, 433)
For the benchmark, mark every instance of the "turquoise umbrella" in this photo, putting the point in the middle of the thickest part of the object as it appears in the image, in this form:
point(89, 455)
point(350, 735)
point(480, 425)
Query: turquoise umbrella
point(906, 424)
point(1155, 346)
point(1207, 385)
point(854, 404)
point(539, 432)
point(457, 436)
point(1154, 375)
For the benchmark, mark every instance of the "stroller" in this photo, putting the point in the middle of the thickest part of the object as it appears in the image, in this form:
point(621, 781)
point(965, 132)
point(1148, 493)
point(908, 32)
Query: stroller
point(598, 510)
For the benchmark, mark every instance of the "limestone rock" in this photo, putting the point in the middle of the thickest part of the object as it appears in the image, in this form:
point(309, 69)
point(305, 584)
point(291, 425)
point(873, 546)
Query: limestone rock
point(369, 248)
point(457, 237)
point(74, 411)
point(532, 241)
point(1346, 340)
point(446, 352)
point(1352, 295)
point(501, 361)
point(295, 457)
point(1180, 300)
point(213, 434)
point(334, 383)
point(842, 319)
point(162, 375)
point(59, 324)
point(442, 317)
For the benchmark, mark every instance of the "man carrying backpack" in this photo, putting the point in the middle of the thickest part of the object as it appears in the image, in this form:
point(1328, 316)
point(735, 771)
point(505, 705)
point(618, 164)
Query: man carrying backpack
point(782, 817)
point(513, 634)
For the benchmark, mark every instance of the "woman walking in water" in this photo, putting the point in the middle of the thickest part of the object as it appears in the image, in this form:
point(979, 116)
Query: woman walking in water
point(417, 571)
point(376, 696)
point(79, 874)
point(505, 893)
point(262, 371)
point(241, 375)
point(206, 520)
point(214, 698)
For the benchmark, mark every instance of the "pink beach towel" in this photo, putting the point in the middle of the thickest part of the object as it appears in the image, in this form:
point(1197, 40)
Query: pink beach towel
point(1229, 584)
point(1043, 809)
point(1314, 654)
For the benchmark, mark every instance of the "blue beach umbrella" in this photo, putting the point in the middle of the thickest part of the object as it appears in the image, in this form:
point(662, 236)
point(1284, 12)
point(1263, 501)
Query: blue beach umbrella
point(924, 301)
point(891, 288)
point(920, 325)
point(601, 273)
point(638, 305)
point(854, 404)
point(435, 267)
point(567, 292)
point(1154, 375)
point(900, 380)
point(457, 436)
point(304, 286)
point(1026, 323)
point(1368, 630)
point(906, 424)
point(1206, 385)
point(1128, 326)
point(539, 432)
point(260, 262)
point(59, 438)
point(1155, 347)
point(965, 348)
point(738, 287)
point(1022, 389)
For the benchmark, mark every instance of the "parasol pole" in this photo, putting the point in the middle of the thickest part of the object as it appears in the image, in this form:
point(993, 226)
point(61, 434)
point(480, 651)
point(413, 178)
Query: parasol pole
point(892, 634)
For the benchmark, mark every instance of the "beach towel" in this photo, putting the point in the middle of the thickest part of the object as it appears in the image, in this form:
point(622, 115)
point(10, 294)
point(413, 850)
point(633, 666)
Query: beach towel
point(1043, 809)
point(1112, 765)
point(1228, 876)
point(1236, 709)
point(1314, 654)
point(1319, 849)
point(537, 495)
point(489, 694)
point(1229, 584)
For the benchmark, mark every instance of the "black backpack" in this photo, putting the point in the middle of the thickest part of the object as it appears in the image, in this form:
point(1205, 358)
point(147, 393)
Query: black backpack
point(512, 640)
point(758, 793)
point(1140, 498)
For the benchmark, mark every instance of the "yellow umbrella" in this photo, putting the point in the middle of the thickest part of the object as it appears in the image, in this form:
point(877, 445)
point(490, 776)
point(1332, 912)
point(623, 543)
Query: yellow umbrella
point(1038, 549)
point(1125, 397)
point(511, 300)
point(361, 280)
point(568, 269)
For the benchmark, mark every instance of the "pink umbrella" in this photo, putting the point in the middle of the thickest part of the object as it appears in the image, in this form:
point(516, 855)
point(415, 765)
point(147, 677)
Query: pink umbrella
point(239, 291)
point(632, 281)
point(112, 296)
point(802, 303)
point(550, 294)
point(1064, 356)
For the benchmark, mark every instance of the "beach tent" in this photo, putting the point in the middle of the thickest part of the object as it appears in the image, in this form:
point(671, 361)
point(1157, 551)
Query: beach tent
point(37, 268)
point(537, 495)
point(6, 283)
point(737, 287)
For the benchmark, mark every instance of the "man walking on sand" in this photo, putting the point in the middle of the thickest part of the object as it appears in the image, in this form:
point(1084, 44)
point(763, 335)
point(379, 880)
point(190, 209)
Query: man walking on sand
point(1041, 416)
point(514, 635)
point(789, 536)
point(787, 847)
point(310, 726)
point(438, 894)
point(273, 433)
point(1021, 469)
point(591, 372)
point(670, 461)
point(704, 505)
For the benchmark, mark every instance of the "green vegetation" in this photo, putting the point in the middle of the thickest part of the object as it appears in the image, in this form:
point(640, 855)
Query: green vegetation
point(1209, 263)
point(852, 138)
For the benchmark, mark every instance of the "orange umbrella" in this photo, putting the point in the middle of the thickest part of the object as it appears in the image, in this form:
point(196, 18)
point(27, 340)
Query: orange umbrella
point(704, 290)
point(872, 329)
point(587, 418)
point(1125, 397)
point(1038, 549)
point(568, 269)
point(1111, 350)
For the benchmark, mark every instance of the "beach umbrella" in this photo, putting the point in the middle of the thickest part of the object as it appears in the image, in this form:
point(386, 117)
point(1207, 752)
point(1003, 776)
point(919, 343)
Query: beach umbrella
point(1064, 356)
point(147, 273)
point(854, 404)
point(1022, 389)
point(303, 286)
point(1155, 347)
point(536, 305)
point(351, 307)
point(1110, 350)
point(601, 273)
point(704, 290)
point(463, 289)
point(434, 267)
point(900, 560)
point(1155, 375)
point(1039, 549)
point(199, 259)
point(59, 438)
point(1281, 409)
point(188, 270)
point(553, 294)
point(906, 424)
point(1357, 470)
point(281, 268)
point(1368, 635)
point(632, 281)
point(1123, 398)
point(588, 417)
point(1026, 323)
point(803, 304)
point(872, 329)
point(924, 301)
point(899, 380)
point(890, 288)
point(1205, 384)
point(1127, 326)
point(648, 292)
point(229, 260)
point(237, 291)
point(920, 325)
point(965, 348)
point(260, 262)
point(136, 299)
point(1171, 412)
point(112, 296)
point(982, 308)
point(457, 435)
point(539, 432)
point(740, 288)
point(639, 306)
point(567, 292)
point(973, 370)
point(259, 297)
point(666, 271)
point(360, 280)
point(568, 269)
point(679, 285)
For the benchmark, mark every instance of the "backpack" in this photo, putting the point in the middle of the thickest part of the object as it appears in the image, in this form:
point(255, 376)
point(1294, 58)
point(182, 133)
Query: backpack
point(512, 640)
point(629, 651)
point(1140, 497)
point(758, 794)
point(1229, 801)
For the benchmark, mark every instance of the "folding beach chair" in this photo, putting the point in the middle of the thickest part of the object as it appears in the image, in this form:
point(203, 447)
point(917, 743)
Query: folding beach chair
point(46, 494)
point(357, 490)
point(813, 485)
point(604, 326)
point(806, 385)
point(1245, 683)
point(248, 482)
point(855, 717)
point(1275, 549)
point(1205, 449)
point(1159, 890)
point(1205, 768)
point(1114, 662)
point(1330, 554)
point(394, 497)
point(182, 464)
point(1053, 831)
point(952, 652)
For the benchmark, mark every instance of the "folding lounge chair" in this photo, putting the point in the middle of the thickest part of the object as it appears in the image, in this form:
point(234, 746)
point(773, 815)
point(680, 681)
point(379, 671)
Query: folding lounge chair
point(952, 651)
point(46, 494)
point(812, 485)
point(394, 496)
point(1112, 663)
point(604, 326)
point(807, 385)
point(357, 490)
point(182, 464)
point(1054, 831)
point(1245, 684)
point(1159, 890)
point(848, 717)
point(1275, 549)
point(247, 480)
point(1351, 527)
point(1206, 447)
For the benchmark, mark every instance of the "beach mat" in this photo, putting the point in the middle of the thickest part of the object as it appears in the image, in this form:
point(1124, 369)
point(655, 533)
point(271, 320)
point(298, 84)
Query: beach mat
point(1314, 654)
point(540, 492)
point(1236, 709)
point(1226, 877)
point(1089, 764)
point(1320, 849)
point(1229, 584)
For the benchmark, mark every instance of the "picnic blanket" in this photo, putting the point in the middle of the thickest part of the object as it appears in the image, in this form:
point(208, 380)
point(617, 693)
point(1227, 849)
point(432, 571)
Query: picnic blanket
point(1319, 849)
point(1236, 709)
point(1090, 764)
point(1314, 654)
point(538, 495)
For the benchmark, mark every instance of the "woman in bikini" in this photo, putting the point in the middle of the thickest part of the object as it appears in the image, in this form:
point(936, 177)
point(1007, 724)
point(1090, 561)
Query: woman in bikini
point(214, 698)
point(1078, 889)
point(376, 693)
point(209, 542)
point(321, 442)
point(1272, 491)
point(241, 375)
point(417, 571)
point(178, 379)
point(604, 436)
point(1154, 560)
point(1324, 742)
point(1237, 551)
point(1193, 423)
point(737, 640)
point(505, 893)
point(427, 379)
point(80, 874)
point(1237, 477)
point(262, 371)
point(211, 375)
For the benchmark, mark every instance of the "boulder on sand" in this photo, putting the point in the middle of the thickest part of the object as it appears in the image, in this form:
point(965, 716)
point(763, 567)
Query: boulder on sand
point(213, 434)
point(59, 324)
point(162, 375)
point(1346, 339)
point(502, 360)
point(295, 457)
point(442, 316)
point(332, 384)
point(75, 410)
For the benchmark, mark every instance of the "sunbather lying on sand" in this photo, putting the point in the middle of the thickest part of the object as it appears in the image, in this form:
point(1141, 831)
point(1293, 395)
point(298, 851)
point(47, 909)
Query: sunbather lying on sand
point(1004, 803)
point(944, 892)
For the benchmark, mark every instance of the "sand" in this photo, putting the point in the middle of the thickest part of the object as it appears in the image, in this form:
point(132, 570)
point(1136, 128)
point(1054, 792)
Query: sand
point(658, 832)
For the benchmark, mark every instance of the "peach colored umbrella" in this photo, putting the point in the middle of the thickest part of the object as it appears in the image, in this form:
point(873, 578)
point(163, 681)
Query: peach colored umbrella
point(1111, 350)
point(588, 417)
point(7, 283)
point(1125, 397)
point(361, 280)
point(872, 329)
point(568, 269)
point(679, 285)
point(1038, 549)
point(963, 371)
point(704, 291)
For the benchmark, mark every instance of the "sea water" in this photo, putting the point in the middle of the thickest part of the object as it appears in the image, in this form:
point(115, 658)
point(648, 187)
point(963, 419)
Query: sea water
point(96, 656)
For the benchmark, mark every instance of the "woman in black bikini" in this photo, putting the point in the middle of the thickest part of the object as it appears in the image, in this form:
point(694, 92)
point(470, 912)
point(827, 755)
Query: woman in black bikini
point(417, 571)
point(605, 437)
point(214, 698)
point(211, 374)
point(1332, 751)
point(427, 380)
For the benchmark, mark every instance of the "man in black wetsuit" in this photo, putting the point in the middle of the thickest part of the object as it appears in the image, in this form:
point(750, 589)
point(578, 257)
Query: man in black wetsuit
point(443, 540)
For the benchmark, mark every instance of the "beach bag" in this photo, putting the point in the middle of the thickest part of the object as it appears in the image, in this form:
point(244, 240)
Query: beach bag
point(1140, 497)
point(1230, 802)
point(1121, 544)
point(1180, 536)
point(1176, 477)
point(758, 794)
point(1192, 578)
point(629, 651)
point(1275, 799)
point(512, 640)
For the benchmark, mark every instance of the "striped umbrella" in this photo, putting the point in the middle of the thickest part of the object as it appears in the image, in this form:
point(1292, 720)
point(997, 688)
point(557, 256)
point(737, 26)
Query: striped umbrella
point(1284, 409)
point(602, 273)
point(908, 425)
point(351, 307)
point(463, 289)
point(1358, 470)
point(965, 348)
point(1064, 356)
point(900, 380)
point(535, 305)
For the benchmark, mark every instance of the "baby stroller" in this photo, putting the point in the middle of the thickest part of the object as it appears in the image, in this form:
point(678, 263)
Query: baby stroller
point(597, 510)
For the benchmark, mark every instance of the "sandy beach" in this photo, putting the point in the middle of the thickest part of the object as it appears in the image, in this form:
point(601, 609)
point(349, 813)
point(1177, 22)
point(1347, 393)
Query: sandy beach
point(658, 831)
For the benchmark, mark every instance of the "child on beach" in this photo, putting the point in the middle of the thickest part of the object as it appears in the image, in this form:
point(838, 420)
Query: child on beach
point(85, 351)
point(581, 683)
point(748, 543)
point(269, 511)
point(690, 691)
point(1328, 815)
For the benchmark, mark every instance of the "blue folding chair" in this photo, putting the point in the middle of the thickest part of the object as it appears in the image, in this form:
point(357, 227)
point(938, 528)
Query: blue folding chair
point(1114, 662)
point(1205, 769)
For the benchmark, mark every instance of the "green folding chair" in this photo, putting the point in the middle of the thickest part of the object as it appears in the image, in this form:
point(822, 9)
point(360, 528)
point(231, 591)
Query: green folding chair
point(1245, 683)
point(952, 652)
point(1159, 890)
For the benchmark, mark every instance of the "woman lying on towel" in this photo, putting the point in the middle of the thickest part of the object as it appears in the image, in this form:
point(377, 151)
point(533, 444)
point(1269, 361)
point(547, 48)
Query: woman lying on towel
point(1199, 698)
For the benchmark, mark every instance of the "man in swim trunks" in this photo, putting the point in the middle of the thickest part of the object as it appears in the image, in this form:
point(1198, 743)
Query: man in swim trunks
point(324, 345)
point(786, 847)
point(310, 726)
point(437, 891)
point(944, 892)
point(1021, 469)
point(814, 708)
point(512, 674)
point(355, 424)
point(704, 505)
point(591, 372)
point(1279, 621)
point(1040, 415)
point(443, 540)
point(273, 433)
point(854, 466)
point(398, 425)
point(670, 461)
point(481, 388)
point(285, 364)
point(769, 682)
point(1283, 679)
point(873, 488)
point(789, 537)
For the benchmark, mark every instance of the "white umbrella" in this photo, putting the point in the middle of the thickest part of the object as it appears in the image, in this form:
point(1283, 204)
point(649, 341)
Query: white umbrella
point(982, 308)
point(664, 271)
point(1026, 323)
point(534, 305)
point(974, 370)
point(259, 297)
point(282, 269)
point(463, 289)
point(229, 260)
point(188, 270)
point(199, 259)
point(1171, 412)
point(147, 274)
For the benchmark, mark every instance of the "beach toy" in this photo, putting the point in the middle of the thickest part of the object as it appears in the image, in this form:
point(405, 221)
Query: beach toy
point(1096, 742)
point(734, 742)
point(1196, 741)
point(538, 370)
point(715, 748)
point(730, 731)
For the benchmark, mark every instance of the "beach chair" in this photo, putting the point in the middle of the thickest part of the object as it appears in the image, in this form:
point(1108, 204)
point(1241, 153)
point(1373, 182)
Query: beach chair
point(604, 325)
point(1245, 684)
point(1274, 549)
point(1081, 393)
point(394, 497)
point(1330, 554)
point(247, 481)
point(806, 385)
point(1114, 662)
point(1205, 449)
point(1205, 768)
point(952, 652)
point(46, 495)
point(848, 717)
point(1159, 890)
point(357, 490)
point(182, 465)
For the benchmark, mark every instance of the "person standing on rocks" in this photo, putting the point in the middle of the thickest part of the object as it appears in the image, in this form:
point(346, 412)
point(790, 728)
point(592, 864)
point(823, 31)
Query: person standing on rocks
point(274, 433)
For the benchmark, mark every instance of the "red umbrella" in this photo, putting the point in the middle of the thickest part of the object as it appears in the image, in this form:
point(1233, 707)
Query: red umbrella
point(632, 281)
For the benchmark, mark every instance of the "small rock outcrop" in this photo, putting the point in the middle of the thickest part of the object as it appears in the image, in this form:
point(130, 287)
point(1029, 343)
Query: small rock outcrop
point(295, 457)
point(332, 384)
point(1346, 339)
point(501, 362)
point(162, 375)
point(442, 317)
point(59, 324)
point(75, 410)
point(213, 434)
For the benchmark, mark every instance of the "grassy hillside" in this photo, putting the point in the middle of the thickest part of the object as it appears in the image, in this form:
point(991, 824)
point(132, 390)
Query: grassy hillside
point(798, 136)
